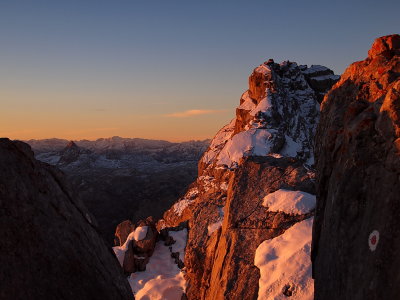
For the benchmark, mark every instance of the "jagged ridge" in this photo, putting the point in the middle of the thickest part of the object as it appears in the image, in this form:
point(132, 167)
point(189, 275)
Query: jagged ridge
point(265, 149)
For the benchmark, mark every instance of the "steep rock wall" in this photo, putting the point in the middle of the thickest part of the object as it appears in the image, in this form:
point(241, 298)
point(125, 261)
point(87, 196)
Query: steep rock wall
point(356, 234)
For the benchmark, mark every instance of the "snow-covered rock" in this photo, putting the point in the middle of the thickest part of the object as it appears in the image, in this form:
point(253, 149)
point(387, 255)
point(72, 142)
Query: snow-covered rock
point(265, 152)
point(261, 154)
point(290, 202)
point(285, 264)
point(162, 279)
point(137, 235)
point(277, 115)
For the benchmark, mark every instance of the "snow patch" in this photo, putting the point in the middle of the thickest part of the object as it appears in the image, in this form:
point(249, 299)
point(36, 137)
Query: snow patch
point(180, 206)
point(291, 147)
point(247, 103)
point(162, 278)
point(290, 202)
point(246, 143)
point(285, 264)
point(140, 233)
point(219, 141)
point(262, 106)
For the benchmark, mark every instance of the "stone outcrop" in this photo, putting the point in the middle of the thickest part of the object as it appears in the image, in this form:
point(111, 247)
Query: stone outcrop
point(50, 248)
point(122, 232)
point(267, 147)
point(220, 264)
point(356, 234)
point(320, 78)
point(137, 251)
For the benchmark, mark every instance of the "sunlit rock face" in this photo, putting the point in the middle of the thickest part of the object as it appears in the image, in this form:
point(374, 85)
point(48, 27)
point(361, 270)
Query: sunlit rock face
point(356, 236)
point(267, 147)
point(50, 248)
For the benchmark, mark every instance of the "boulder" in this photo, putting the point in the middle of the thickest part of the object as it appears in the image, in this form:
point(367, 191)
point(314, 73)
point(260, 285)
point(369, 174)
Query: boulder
point(122, 232)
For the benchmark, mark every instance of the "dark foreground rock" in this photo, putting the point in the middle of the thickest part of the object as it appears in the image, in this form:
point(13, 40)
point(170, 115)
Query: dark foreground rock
point(49, 248)
point(356, 234)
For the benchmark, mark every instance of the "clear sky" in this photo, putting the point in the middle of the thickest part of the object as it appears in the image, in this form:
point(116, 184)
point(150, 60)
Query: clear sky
point(170, 70)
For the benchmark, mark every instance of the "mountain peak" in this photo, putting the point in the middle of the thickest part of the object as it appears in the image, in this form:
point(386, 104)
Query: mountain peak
point(277, 115)
point(70, 153)
point(71, 144)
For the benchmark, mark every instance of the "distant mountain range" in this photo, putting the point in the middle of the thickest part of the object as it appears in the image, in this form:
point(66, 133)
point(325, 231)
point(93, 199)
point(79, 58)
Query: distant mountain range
point(120, 178)
point(105, 152)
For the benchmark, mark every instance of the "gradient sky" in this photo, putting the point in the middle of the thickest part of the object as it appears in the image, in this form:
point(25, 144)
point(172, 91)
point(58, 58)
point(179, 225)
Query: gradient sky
point(170, 70)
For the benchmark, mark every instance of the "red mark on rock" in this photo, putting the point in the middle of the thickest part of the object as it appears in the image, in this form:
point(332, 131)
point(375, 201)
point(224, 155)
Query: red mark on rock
point(373, 240)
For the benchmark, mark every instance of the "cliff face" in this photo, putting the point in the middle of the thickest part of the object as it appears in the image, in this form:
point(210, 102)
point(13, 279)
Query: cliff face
point(356, 234)
point(49, 247)
point(254, 185)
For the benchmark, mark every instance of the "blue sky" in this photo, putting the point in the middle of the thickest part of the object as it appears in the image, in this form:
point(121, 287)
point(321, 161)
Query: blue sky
point(88, 69)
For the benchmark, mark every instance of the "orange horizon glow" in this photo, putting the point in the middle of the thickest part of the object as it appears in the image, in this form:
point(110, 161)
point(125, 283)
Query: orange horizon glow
point(94, 138)
point(173, 129)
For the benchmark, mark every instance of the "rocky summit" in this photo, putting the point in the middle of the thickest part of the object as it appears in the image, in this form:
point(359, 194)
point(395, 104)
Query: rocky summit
point(240, 226)
point(356, 235)
point(50, 248)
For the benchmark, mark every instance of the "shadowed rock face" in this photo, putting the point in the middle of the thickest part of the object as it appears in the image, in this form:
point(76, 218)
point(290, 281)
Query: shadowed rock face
point(49, 246)
point(356, 234)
